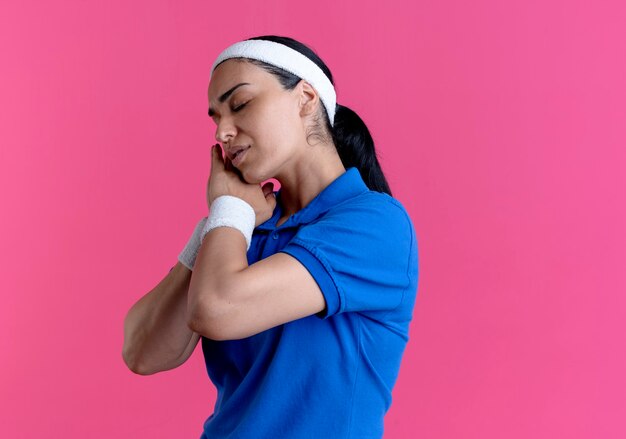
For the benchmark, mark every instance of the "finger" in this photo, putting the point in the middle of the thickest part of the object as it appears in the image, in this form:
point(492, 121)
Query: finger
point(271, 199)
point(228, 164)
point(268, 188)
point(217, 161)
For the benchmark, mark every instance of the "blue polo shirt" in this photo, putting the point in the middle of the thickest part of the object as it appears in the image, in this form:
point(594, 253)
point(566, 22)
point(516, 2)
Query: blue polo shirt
point(329, 375)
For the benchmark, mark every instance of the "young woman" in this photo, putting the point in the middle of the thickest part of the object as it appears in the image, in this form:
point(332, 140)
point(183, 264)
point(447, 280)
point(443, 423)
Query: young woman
point(302, 297)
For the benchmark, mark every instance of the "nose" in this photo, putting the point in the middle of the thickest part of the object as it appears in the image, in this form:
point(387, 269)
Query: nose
point(225, 130)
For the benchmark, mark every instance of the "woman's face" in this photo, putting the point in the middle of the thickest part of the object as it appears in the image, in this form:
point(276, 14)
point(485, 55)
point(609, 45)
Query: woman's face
point(259, 115)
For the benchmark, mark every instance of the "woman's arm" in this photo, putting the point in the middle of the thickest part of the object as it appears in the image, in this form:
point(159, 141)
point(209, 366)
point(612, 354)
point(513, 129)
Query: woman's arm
point(229, 300)
point(156, 334)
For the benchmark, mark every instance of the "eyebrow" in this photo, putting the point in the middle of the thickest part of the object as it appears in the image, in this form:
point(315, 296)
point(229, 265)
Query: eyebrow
point(226, 96)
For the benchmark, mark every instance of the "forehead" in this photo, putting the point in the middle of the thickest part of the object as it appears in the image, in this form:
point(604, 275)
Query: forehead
point(232, 72)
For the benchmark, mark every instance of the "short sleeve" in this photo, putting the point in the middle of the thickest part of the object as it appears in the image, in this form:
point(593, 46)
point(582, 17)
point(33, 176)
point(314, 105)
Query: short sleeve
point(360, 254)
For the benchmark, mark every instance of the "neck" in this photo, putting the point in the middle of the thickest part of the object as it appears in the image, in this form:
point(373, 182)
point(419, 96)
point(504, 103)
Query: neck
point(304, 181)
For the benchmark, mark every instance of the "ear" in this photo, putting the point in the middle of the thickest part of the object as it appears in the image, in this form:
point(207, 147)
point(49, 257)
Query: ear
point(309, 98)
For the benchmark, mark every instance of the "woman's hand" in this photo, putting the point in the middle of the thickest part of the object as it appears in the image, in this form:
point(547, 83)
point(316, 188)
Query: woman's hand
point(225, 179)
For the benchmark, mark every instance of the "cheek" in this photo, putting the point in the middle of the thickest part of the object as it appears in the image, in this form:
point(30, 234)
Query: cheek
point(277, 131)
point(291, 125)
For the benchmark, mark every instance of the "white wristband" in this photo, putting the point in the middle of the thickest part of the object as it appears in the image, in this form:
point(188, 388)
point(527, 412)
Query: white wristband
point(230, 211)
point(188, 255)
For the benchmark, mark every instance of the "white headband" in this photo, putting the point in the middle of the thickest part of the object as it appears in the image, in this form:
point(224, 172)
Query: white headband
point(288, 59)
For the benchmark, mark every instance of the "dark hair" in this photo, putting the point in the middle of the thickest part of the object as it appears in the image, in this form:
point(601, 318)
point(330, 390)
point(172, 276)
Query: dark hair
point(350, 135)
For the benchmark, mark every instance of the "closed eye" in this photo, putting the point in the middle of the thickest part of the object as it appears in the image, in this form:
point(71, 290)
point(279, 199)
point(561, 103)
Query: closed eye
point(239, 107)
point(234, 110)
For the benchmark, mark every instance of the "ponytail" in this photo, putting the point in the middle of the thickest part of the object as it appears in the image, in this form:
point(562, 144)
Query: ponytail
point(355, 146)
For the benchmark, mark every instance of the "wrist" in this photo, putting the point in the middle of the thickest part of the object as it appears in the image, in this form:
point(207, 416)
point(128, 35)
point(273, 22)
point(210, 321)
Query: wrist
point(188, 255)
point(230, 211)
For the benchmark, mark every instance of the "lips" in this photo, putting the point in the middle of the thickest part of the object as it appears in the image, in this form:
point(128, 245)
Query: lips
point(239, 156)
point(232, 153)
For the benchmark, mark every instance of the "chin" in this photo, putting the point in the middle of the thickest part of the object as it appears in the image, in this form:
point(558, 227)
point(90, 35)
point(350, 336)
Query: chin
point(251, 177)
point(252, 173)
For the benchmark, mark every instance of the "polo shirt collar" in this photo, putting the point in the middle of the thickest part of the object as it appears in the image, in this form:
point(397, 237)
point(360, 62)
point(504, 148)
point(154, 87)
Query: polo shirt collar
point(347, 185)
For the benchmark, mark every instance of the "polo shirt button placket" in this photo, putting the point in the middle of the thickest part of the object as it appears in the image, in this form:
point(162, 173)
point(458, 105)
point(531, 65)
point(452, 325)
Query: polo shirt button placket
point(275, 235)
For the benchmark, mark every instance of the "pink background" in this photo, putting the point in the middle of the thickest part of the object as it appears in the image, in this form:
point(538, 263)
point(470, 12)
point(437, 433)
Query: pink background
point(500, 126)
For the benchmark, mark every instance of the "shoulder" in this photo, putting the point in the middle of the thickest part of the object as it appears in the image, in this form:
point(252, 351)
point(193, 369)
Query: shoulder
point(371, 209)
point(369, 224)
point(362, 251)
